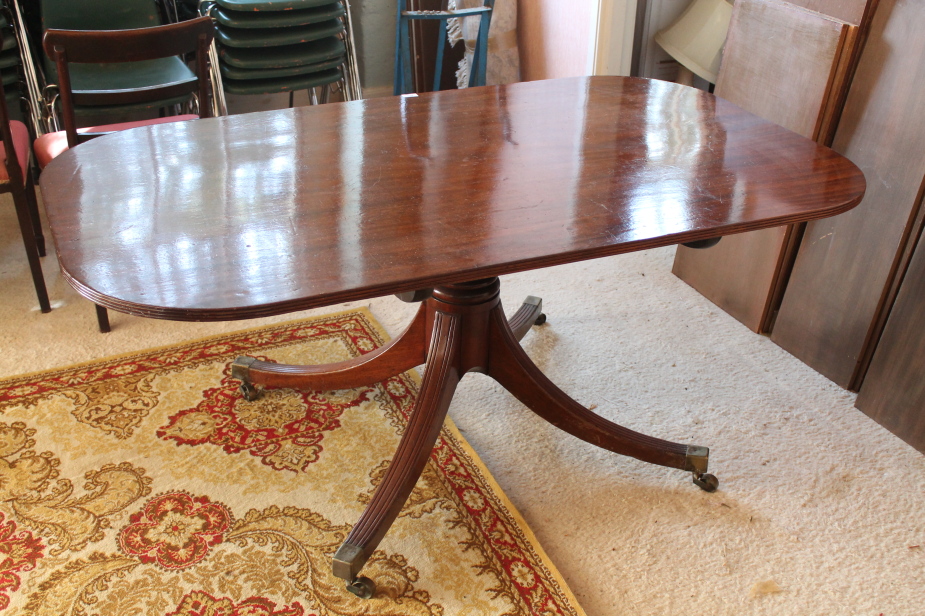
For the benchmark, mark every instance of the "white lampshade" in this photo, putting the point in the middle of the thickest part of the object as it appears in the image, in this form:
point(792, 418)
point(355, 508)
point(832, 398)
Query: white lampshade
point(696, 39)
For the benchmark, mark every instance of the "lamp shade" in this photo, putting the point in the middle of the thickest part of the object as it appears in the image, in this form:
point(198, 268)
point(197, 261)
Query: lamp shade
point(696, 38)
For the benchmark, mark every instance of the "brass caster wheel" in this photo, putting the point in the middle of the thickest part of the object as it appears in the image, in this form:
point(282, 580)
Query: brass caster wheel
point(363, 587)
point(706, 482)
point(540, 319)
point(249, 392)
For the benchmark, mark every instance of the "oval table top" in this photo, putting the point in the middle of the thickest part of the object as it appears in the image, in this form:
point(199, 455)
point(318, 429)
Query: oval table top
point(267, 213)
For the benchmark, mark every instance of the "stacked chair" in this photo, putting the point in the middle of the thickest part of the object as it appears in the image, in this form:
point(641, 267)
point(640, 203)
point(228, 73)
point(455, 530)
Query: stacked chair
point(111, 15)
point(9, 60)
point(273, 46)
point(16, 178)
point(12, 69)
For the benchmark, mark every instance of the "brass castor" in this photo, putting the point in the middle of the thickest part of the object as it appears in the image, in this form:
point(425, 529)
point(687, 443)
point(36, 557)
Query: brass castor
point(540, 319)
point(363, 587)
point(706, 482)
point(249, 392)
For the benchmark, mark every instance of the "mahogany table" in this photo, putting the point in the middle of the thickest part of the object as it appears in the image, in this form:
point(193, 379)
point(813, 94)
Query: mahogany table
point(431, 198)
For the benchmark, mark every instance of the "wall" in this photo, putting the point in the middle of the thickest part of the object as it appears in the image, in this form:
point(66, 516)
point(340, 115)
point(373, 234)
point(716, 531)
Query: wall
point(555, 37)
point(559, 38)
point(374, 30)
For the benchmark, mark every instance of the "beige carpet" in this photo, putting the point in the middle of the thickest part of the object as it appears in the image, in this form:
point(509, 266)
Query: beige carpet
point(820, 511)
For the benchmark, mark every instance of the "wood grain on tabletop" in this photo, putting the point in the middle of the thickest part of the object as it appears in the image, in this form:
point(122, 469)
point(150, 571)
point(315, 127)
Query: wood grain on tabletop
point(267, 213)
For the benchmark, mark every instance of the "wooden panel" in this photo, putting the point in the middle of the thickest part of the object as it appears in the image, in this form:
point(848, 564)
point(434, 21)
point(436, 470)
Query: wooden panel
point(554, 38)
point(851, 11)
point(844, 273)
point(784, 64)
point(893, 393)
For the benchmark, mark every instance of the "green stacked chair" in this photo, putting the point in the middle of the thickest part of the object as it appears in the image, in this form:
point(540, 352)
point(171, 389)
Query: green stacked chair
point(111, 15)
point(11, 70)
point(272, 46)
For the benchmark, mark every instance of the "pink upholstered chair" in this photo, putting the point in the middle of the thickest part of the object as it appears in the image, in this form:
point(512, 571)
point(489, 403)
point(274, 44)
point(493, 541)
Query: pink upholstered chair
point(113, 46)
point(16, 178)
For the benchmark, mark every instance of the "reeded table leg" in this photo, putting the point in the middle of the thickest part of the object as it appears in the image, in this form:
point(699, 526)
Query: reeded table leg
point(461, 328)
point(401, 354)
point(529, 314)
point(515, 371)
point(417, 441)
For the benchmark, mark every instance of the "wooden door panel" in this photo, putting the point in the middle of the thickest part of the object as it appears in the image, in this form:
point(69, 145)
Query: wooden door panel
point(851, 11)
point(893, 392)
point(845, 270)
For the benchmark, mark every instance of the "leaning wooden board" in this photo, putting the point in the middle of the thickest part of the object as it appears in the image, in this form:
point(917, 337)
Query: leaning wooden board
point(787, 65)
point(844, 278)
point(893, 392)
point(852, 11)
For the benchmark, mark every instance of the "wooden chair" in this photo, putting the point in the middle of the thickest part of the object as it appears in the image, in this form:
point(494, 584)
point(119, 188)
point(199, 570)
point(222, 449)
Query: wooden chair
point(791, 66)
point(118, 46)
point(404, 81)
point(110, 15)
point(16, 178)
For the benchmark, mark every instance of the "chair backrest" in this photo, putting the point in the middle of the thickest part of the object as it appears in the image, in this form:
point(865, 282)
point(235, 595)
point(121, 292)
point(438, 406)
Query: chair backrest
point(13, 172)
point(115, 46)
point(447, 20)
point(100, 14)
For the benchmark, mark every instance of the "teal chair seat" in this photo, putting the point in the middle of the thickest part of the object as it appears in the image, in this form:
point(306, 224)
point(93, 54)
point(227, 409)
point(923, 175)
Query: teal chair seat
point(284, 57)
point(277, 19)
point(129, 75)
point(125, 76)
point(278, 37)
point(286, 84)
point(9, 78)
point(232, 72)
point(270, 5)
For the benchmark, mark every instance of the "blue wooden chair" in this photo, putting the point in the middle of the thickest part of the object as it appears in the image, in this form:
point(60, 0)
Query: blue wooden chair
point(403, 70)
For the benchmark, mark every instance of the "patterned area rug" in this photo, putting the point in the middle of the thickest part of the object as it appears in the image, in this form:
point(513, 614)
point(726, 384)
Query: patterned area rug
point(145, 484)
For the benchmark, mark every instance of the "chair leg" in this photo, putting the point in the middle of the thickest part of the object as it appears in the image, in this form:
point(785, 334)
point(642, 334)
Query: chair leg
point(102, 318)
point(26, 227)
point(34, 211)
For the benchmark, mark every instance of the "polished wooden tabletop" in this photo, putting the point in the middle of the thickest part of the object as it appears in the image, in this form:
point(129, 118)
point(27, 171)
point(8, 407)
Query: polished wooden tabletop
point(267, 213)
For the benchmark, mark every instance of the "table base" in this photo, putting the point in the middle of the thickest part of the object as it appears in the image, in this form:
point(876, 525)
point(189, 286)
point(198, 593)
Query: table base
point(461, 328)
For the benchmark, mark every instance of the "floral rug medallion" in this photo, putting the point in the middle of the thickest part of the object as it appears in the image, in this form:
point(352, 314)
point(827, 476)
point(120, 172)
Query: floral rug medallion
point(145, 484)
